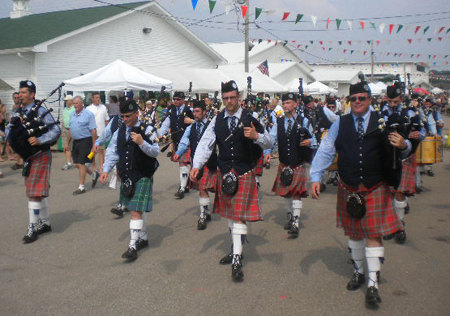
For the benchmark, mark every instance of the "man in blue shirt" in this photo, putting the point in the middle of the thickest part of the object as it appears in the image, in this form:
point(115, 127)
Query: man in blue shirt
point(83, 132)
point(364, 202)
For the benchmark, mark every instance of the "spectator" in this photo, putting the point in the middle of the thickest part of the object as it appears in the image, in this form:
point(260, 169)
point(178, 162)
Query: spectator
point(15, 108)
point(101, 120)
point(113, 107)
point(67, 113)
point(83, 132)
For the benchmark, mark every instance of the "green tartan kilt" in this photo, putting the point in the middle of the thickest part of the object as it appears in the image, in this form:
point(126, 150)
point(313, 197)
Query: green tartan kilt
point(142, 199)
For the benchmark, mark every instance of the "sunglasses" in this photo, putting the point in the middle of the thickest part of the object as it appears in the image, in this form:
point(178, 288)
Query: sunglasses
point(331, 107)
point(177, 99)
point(126, 115)
point(362, 99)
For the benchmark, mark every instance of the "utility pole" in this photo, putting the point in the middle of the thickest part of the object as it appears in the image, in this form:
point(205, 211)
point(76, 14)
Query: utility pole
point(372, 60)
point(246, 37)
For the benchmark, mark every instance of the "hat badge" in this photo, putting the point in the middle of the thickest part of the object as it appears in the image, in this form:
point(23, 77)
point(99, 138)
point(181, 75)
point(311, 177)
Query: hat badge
point(398, 91)
point(29, 83)
point(234, 85)
point(366, 87)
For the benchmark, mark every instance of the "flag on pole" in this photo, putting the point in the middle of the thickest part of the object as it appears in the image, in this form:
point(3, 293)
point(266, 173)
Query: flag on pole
point(264, 68)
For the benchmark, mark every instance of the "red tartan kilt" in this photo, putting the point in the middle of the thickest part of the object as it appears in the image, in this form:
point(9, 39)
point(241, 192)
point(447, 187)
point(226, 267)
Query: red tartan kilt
point(186, 158)
point(259, 166)
point(207, 182)
point(297, 187)
point(407, 183)
point(380, 219)
point(38, 182)
point(244, 205)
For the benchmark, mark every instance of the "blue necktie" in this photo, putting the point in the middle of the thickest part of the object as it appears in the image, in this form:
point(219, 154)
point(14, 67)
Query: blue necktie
point(360, 128)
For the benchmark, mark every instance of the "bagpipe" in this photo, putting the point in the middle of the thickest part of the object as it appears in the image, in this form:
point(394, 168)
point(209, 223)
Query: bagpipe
point(25, 125)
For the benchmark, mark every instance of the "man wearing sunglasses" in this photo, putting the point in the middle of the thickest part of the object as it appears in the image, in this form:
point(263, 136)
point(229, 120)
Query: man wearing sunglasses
point(134, 152)
point(395, 106)
point(364, 201)
point(241, 139)
point(179, 118)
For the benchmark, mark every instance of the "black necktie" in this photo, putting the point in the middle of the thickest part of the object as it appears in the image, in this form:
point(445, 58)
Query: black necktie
point(360, 128)
point(232, 124)
point(289, 127)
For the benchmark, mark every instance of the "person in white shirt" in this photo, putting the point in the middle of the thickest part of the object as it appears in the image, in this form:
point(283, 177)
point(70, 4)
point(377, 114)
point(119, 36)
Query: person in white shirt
point(101, 120)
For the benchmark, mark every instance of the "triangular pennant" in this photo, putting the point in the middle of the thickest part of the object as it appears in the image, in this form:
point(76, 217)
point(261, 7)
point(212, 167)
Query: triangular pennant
point(429, 56)
point(350, 25)
point(323, 48)
point(314, 20)
point(258, 12)
point(400, 26)
point(372, 24)
point(299, 45)
point(330, 48)
point(364, 53)
point(349, 42)
point(410, 40)
point(387, 54)
point(391, 28)
point(418, 55)
point(447, 31)
point(294, 41)
point(285, 43)
point(426, 29)
point(378, 42)
point(440, 39)
point(212, 4)
point(338, 23)
point(434, 56)
point(368, 42)
point(412, 55)
point(312, 42)
point(429, 39)
point(363, 24)
point(299, 17)
point(306, 47)
point(417, 29)
point(395, 54)
point(328, 23)
point(244, 10)
point(352, 51)
point(269, 41)
point(446, 56)
point(321, 42)
point(400, 55)
point(345, 51)
point(382, 26)
point(194, 3)
point(260, 41)
point(285, 16)
point(340, 42)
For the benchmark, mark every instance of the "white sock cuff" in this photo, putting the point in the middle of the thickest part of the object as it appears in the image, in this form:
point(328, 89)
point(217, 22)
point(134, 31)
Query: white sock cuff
point(203, 201)
point(230, 224)
point(297, 204)
point(239, 229)
point(374, 252)
point(35, 205)
point(184, 169)
point(136, 224)
point(357, 244)
point(400, 204)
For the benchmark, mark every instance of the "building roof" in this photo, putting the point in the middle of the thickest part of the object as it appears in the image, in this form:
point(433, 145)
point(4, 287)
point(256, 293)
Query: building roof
point(34, 29)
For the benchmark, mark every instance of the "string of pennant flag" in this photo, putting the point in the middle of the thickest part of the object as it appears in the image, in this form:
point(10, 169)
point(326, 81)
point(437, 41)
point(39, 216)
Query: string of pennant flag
point(337, 23)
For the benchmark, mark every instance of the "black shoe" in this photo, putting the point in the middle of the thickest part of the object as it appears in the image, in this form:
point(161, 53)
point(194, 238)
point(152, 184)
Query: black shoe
point(141, 244)
point(293, 232)
point(407, 209)
point(31, 236)
point(78, 192)
point(323, 187)
point(236, 269)
point(44, 228)
point(180, 193)
point(400, 237)
point(17, 166)
point(356, 281)
point(267, 166)
point(125, 210)
point(131, 254)
point(95, 176)
point(372, 296)
point(290, 221)
point(208, 217)
point(117, 211)
point(201, 224)
point(430, 173)
point(169, 154)
point(186, 189)
point(388, 237)
point(228, 259)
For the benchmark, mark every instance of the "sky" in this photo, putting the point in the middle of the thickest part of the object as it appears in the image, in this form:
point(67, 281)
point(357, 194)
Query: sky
point(327, 46)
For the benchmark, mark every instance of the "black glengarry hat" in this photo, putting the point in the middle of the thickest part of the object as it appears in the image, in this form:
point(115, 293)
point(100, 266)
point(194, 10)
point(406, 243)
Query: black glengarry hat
point(200, 104)
point(360, 87)
point(229, 86)
point(28, 84)
point(307, 99)
point(179, 94)
point(289, 96)
point(394, 91)
point(128, 106)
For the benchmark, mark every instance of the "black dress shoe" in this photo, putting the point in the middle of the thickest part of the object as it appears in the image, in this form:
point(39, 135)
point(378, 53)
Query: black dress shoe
point(430, 173)
point(78, 192)
point(388, 237)
point(267, 166)
point(293, 232)
point(186, 189)
point(208, 217)
point(95, 176)
point(356, 281)
point(400, 237)
point(201, 224)
point(372, 296)
point(30, 237)
point(418, 190)
point(169, 154)
point(117, 211)
point(131, 254)
point(17, 166)
point(180, 193)
point(290, 221)
point(44, 228)
point(236, 269)
point(228, 259)
point(141, 244)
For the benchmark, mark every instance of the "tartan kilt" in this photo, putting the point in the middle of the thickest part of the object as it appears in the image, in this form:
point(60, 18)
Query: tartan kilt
point(298, 185)
point(380, 219)
point(142, 198)
point(207, 182)
point(244, 205)
point(38, 182)
point(407, 183)
point(185, 158)
point(259, 166)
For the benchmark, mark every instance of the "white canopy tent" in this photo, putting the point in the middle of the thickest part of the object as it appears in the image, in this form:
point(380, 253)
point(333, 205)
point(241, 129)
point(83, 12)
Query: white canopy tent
point(117, 75)
point(376, 89)
point(318, 87)
point(437, 90)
